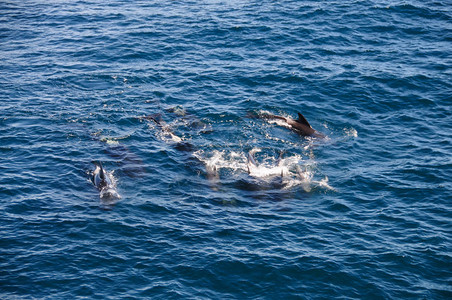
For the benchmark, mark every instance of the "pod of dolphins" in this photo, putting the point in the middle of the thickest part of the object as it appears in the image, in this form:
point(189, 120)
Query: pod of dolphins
point(105, 182)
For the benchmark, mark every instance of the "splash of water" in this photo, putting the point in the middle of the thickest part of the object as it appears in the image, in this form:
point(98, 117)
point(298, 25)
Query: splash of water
point(293, 170)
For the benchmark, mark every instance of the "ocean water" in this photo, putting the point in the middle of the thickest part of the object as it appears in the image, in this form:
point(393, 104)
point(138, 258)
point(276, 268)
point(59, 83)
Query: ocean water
point(168, 94)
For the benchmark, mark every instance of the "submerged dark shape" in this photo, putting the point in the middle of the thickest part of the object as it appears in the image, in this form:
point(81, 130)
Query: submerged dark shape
point(184, 147)
point(130, 164)
point(181, 145)
point(190, 120)
point(300, 126)
point(104, 183)
point(164, 127)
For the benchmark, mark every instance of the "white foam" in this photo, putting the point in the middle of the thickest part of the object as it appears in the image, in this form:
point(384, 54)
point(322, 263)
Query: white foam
point(352, 132)
point(264, 171)
point(279, 122)
point(293, 170)
point(324, 183)
point(111, 142)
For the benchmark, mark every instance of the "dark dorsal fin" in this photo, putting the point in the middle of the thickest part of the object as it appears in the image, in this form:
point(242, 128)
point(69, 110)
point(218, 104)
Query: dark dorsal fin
point(157, 118)
point(101, 173)
point(302, 120)
point(280, 158)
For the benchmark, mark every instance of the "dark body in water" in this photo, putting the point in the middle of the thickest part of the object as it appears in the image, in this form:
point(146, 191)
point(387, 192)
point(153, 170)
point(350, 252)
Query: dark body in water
point(300, 126)
point(179, 143)
point(184, 146)
point(104, 183)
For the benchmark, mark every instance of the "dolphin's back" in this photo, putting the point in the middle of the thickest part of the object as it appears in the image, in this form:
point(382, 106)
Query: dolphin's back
point(101, 178)
point(273, 117)
point(104, 183)
point(302, 120)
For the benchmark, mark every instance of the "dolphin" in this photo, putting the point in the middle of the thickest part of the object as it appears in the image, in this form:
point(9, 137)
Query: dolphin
point(251, 162)
point(212, 176)
point(190, 120)
point(182, 145)
point(166, 130)
point(179, 143)
point(104, 183)
point(300, 126)
point(130, 163)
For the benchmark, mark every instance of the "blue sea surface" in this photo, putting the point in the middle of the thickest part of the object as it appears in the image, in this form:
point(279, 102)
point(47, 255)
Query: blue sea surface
point(170, 97)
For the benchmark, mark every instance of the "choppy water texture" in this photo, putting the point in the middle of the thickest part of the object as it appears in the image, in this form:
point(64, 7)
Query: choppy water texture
point(166, 94)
